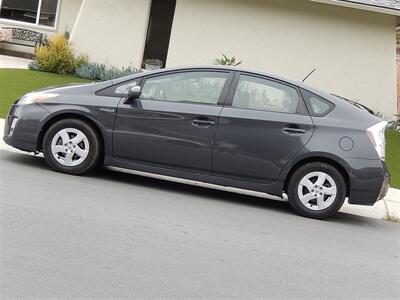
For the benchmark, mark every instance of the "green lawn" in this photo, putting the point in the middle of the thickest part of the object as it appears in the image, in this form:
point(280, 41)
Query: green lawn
point(393, 156)
point(14, 83)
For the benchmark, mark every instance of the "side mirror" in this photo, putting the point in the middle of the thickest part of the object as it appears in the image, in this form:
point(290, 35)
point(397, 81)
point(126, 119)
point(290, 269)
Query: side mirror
point(133, 94)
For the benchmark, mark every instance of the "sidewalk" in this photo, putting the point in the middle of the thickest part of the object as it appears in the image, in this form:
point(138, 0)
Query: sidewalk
point(13, 62)
point(390, 205)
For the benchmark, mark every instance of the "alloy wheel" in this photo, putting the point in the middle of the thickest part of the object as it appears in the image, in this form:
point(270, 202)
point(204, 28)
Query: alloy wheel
point(70, 147)
point(317, 191)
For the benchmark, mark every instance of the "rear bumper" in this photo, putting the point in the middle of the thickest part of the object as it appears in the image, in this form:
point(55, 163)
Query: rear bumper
point(369, 181)
point(385, 186)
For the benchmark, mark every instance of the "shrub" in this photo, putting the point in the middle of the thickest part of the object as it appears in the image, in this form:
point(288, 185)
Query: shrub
point(33, 65)
point(81, 60)
point(227, 61)
point(395, 124)
point(95, 71)
point(57, 56)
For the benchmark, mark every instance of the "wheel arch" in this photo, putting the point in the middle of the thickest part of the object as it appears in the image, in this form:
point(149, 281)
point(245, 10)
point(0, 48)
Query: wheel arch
point(331, 161)
point(69, 115)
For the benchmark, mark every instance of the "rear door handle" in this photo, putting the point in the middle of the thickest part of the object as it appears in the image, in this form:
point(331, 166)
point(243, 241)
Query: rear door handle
point(202, 122)
point(293, 130)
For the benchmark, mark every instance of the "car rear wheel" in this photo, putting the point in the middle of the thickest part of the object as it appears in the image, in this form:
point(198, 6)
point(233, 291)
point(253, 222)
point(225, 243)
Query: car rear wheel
point(71, 146)
point(317, 190)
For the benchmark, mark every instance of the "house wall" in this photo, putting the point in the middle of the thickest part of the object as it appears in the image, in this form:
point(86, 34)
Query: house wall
point(112, 31)
point(354, 51)
point(67, 14)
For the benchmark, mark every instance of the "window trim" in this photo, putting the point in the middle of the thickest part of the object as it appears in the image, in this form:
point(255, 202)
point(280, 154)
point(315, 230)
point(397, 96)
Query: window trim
point(35, 25)
point(222, 97)
point(301, 109)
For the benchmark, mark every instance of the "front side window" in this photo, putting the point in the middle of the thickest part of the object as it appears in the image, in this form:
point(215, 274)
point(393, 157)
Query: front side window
point(191, 87)
point(263, 94)
point(38, 12)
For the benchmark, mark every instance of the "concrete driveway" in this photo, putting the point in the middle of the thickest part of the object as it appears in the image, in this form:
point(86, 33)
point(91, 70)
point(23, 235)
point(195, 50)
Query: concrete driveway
point(113, 235)
point(13, 62)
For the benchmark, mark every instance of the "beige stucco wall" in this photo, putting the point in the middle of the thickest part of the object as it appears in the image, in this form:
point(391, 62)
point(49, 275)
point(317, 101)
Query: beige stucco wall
point(68, 13)
point(112, 31)
point(353, 50)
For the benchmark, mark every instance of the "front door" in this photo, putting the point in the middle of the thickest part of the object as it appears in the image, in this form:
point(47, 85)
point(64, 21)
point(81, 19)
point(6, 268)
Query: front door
point(174, 121)
point(263, 128)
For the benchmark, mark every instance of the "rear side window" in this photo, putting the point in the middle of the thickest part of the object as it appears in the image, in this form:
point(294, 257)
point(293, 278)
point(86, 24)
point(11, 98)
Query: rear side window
point(317, 106)
point(263, 94)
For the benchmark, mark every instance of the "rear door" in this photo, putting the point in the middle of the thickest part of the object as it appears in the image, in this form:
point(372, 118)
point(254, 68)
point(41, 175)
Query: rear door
point(262, 127)
point(174, 121)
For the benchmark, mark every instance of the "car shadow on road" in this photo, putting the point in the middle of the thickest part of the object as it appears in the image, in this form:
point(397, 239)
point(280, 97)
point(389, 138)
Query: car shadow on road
point(218, 195)
point(206, 193)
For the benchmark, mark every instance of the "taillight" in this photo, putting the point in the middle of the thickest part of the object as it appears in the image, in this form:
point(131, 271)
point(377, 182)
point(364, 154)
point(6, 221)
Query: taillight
point(376, 135)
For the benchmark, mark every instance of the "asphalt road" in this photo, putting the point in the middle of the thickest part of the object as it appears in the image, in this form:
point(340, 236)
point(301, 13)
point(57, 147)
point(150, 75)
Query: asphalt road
point(113, 235)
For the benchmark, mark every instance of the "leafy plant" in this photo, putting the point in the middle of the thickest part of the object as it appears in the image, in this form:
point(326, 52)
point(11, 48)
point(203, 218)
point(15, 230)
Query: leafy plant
point(34, 66)
point(226, 61)
point(378, 114)
point(81, 60)
point(96, 71)
point(57, 56)
point(395, 124)
point(67, 34)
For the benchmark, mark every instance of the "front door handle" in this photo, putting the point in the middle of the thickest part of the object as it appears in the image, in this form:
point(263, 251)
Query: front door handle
point(293, 130)
point(204, 123)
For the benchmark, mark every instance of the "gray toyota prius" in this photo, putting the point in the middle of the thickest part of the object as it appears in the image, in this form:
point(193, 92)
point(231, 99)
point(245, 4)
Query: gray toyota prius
point(218, 126)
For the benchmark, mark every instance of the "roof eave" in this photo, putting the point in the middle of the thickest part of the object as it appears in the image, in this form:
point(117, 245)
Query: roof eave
point(377, 9)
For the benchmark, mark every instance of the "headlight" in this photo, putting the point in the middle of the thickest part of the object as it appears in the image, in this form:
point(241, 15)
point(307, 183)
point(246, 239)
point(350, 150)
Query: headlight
point(36, 98)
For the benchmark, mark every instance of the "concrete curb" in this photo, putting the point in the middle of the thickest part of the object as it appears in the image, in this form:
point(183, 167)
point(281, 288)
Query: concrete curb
point(390, 206)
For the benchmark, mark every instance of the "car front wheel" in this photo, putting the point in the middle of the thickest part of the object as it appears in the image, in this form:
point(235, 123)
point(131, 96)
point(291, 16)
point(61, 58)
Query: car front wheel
point(71, 146)
point(317, 190)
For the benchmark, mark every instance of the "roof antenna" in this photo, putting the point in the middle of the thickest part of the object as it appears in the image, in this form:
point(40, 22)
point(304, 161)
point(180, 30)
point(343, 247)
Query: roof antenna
point(309, 74)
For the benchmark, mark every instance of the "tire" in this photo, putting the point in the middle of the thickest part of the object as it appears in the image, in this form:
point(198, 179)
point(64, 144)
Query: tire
point(305, 184)
point(71, 146)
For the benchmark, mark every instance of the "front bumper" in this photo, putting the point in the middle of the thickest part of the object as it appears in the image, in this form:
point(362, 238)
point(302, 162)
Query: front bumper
point(28, 122)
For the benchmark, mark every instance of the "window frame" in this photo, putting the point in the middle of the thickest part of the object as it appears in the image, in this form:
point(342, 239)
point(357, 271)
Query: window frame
point(35, 25)
point(301, 109)
point(222, 97)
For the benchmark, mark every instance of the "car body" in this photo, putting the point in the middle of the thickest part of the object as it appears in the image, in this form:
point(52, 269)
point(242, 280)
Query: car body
point(220, 125)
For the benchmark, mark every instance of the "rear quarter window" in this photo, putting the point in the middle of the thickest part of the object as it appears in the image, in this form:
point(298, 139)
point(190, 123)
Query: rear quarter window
point(317, 106)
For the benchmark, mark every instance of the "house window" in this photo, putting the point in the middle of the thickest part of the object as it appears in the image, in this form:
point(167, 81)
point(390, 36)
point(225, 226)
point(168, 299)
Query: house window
point(36, 12)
